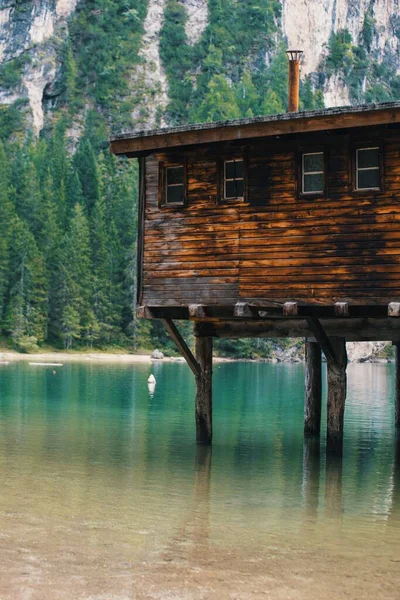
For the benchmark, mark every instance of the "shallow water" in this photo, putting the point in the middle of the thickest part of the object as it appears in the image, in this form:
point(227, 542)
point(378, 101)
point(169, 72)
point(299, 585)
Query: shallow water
point(104, 494)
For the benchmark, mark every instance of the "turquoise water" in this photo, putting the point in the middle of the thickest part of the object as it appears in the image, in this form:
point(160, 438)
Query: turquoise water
point(105, 495)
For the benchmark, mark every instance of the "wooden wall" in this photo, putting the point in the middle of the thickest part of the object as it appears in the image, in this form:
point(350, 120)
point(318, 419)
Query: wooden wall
point(278, 246)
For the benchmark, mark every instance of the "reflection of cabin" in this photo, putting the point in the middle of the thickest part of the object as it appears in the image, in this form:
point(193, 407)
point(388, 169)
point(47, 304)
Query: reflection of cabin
point(287, 225)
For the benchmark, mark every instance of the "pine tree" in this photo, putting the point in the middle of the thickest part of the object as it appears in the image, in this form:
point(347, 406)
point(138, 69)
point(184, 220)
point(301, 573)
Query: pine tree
point(220, 102)
point(85, 165)
point(73, 283)
point(6, 218)
point(74, 192)
point(26, 313)
point(70, 77)
point(247, 96)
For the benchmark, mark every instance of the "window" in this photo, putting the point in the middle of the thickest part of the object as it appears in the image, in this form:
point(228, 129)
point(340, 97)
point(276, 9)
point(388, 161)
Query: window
point(312, 173)
point(368, 169)
point(172, 185)
point(233, 179)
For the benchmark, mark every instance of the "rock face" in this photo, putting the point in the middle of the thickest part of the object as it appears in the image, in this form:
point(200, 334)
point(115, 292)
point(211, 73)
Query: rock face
point(197, 12)
point(308, 24)
point(26, 30)
point(150, 74)
point(29, 28)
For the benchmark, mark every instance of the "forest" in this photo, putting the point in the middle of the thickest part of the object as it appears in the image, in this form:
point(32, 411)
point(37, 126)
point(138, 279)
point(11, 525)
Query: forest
point(68, 209)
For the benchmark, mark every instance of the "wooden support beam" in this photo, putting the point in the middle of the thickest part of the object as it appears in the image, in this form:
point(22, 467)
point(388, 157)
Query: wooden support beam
point(397, 388)
point(197, 311)
point(313, 389)
point(394, 309)
point(354, 330)
point(337, 388)
point(182, 346)
point(204, 351)
point(144, 312)
point(322, 339)
point(290, 309)
point(260, 310)
point(242, 310)
point(342, 309)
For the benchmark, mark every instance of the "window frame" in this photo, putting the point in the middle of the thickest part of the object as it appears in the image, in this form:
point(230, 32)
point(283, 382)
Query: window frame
point(163, 187)
point(367, 145)
point(222, 181)
point(300, 172)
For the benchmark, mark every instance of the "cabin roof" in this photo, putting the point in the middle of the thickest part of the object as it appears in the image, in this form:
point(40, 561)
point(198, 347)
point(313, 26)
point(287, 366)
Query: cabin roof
point(139, 143)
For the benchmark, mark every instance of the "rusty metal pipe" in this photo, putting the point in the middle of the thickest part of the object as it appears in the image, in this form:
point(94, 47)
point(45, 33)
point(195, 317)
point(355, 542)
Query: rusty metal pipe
point(294, 57)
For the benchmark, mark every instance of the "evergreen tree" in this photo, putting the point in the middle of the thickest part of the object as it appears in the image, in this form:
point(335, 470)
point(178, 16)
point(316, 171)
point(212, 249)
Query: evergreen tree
point(6, 218)
point(26, 313)
point(219, 103)
point(85, 165)
point(247, 96)
point(70, 77)
point(73, 283)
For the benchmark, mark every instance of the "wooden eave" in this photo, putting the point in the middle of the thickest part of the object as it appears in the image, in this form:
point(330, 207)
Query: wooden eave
point(135, 144)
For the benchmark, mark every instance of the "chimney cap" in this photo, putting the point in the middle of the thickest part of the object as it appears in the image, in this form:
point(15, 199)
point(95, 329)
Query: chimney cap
point(294, 54)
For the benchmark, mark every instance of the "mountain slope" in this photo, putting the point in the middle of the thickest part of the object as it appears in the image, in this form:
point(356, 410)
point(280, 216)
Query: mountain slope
point(147, 62)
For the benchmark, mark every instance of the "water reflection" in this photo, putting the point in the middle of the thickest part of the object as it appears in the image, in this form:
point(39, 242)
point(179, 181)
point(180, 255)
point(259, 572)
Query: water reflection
point(311, 475)
point(91, 463)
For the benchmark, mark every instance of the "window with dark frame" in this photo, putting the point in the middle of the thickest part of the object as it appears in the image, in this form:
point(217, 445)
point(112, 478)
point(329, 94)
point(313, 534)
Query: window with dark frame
point(233, 179)
point(368, 171)
point(312, 173)
point(174, 185)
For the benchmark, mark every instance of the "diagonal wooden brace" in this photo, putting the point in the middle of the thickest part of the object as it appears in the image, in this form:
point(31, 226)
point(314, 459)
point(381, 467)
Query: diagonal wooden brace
point(182, 346)
point(324, 341)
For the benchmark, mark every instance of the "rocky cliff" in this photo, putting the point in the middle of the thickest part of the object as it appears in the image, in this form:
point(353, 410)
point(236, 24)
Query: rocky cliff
point(32, 33)
point(309, 24)
point(29, 35)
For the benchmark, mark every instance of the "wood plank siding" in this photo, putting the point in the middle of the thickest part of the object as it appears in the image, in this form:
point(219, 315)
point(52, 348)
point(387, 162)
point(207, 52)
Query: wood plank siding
point(279, 245)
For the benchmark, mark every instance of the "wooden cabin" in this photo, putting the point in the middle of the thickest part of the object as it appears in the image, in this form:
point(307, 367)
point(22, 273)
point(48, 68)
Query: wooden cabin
point(286, 225)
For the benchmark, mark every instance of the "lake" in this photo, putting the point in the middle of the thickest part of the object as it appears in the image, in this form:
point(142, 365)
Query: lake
point(104, 494)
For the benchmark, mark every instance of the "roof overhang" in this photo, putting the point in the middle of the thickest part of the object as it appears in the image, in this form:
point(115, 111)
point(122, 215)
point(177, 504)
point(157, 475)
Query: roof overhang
point(140, 143)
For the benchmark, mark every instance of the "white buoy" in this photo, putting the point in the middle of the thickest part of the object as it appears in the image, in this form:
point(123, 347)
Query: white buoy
point(152, 379)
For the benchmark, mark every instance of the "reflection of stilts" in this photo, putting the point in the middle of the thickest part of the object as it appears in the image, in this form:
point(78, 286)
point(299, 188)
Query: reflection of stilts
point(201, 495)
point(333, 485)
point(194, 531)
point(311, 475)
point(395, 481)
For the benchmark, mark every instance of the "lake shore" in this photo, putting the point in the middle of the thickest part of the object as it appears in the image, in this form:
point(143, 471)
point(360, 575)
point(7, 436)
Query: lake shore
point(99, 357)
point(91, 357)
point(357, 352)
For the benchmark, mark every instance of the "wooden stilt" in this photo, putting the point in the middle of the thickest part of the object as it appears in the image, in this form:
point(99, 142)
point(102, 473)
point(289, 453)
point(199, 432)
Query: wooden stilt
point(204, 350)
point(313, 390)
point(337, 385)
point(397, 392)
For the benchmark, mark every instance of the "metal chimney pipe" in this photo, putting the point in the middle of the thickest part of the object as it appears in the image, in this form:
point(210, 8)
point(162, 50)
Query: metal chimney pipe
point(294, 57)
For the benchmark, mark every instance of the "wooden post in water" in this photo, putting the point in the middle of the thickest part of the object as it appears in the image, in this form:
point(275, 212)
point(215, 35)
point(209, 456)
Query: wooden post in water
point(397, 392)
point(204, 352)
point(337, 387)
point(313, 390)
